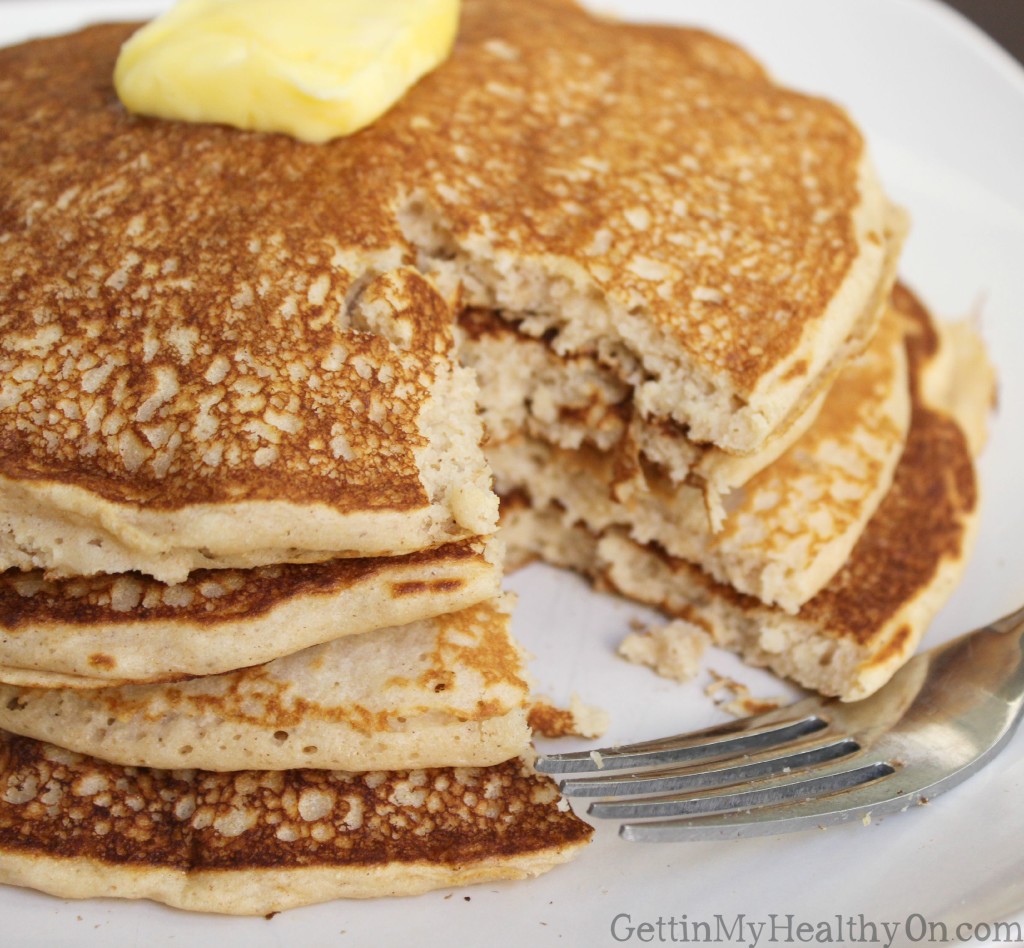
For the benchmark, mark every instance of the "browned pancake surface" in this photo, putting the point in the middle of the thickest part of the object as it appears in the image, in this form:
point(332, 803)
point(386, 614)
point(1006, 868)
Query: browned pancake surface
point(921, 523)
point(918, 526)
point(208, 597)
point(720, 202)
point(120, 826)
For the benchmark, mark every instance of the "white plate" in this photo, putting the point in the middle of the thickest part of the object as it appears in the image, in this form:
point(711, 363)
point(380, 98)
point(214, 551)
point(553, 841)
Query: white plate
point(943, 108)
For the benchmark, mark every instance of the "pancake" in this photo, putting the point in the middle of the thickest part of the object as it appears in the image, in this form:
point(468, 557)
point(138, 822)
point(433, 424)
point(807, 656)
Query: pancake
point(789, 529)
point(253, 843)
point(228, 453)
point(90, 632)
point(213, 357)
point(715, 239)
point(228, 370)
point(853, 635)
point(527, 387)
point(447, 691)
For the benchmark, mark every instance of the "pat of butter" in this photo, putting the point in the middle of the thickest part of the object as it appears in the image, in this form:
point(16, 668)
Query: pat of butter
point(313, 69)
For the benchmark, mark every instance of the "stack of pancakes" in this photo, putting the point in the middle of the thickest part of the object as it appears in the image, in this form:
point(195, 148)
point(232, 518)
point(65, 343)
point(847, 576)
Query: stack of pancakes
point(251, 633)
point(246, 525)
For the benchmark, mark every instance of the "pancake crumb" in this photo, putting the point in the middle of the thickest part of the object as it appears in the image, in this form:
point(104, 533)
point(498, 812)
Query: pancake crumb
point(735, 698)
point(673, 650)
point(578, 720)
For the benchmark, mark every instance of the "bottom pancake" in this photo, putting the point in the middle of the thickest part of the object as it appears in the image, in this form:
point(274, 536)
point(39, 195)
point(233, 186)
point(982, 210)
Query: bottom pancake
point(854, 634)
point(255, 842)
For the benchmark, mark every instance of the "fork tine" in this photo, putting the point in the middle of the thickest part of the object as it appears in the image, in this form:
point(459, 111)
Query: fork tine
point(769, 792)
point(872, 799)
point(916, 784)
point(792, 760)
point(748, 736)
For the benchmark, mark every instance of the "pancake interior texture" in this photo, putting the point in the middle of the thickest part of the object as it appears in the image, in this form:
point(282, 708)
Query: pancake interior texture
point(573, 400)
point(789, 528)
point(254, 842)
point(854, 634)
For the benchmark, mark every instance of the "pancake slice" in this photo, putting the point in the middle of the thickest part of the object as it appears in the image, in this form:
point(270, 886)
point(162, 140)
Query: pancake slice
point(257, 842)
point(789, 528)
point(853, 635)
point(720, 472)
point(446, 691)
point(90, 632)
point(574, 399)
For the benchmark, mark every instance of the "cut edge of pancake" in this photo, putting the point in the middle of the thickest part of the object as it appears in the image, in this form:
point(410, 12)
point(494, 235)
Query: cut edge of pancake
point(791, 527)
point(851, 637)
point(564, 296)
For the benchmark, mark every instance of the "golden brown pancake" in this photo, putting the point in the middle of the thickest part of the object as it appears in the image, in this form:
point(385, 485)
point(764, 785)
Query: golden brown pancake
point(854, 634)
point(574, 400)
point(88, 632)
point(446, 691)
point(716, 239)
point(255, 842)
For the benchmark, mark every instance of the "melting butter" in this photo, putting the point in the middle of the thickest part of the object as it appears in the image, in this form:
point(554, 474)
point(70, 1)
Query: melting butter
point(313, 69)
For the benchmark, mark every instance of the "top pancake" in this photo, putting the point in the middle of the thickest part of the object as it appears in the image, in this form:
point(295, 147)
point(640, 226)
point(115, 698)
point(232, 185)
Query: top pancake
point(649, 194)
point(184, 307)
point(207, 359)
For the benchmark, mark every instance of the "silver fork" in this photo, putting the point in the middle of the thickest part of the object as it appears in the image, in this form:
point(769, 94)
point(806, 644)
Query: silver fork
point(817, 762)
